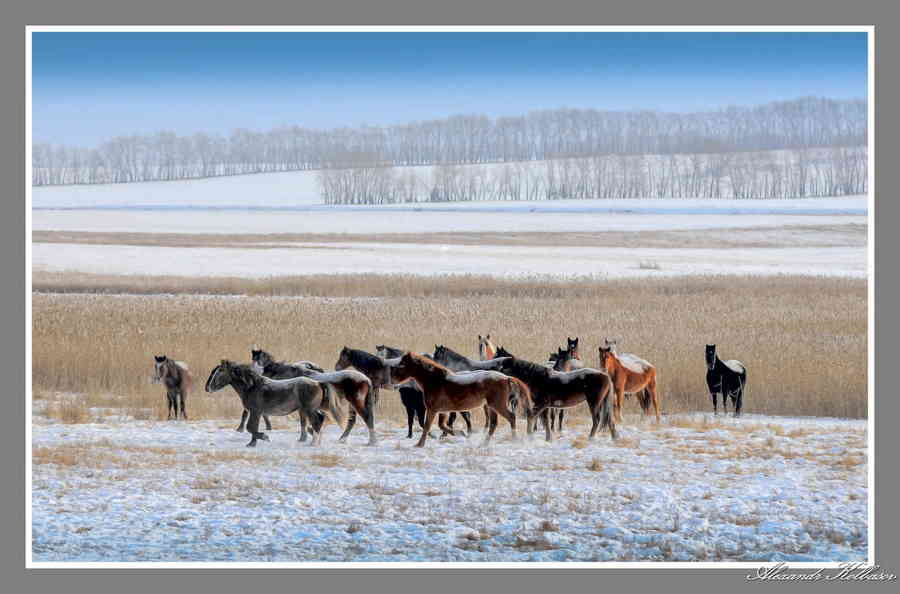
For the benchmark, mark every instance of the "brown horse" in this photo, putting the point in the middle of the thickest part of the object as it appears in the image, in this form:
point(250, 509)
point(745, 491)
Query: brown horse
point(177, 379)
point(356, 388)
point(446, 391)
point(630, 375)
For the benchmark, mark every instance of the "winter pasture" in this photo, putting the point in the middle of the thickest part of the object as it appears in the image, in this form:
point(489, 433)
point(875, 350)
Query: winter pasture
point(779, 284)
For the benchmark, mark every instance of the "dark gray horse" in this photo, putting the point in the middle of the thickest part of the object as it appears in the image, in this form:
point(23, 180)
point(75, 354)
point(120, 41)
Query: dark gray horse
point(728, 378)
point(554, 389)
point(266, 365)
point(177, 379)
point(565, 360)
point(264, 396)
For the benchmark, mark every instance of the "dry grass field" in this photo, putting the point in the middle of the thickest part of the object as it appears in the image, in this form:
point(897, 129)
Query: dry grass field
point(803, 339)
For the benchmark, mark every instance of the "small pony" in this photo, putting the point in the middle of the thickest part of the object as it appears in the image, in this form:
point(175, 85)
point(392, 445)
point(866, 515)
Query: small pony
point(177, 379)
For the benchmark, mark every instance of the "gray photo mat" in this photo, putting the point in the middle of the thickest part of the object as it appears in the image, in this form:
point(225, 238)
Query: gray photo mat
point(883, 14)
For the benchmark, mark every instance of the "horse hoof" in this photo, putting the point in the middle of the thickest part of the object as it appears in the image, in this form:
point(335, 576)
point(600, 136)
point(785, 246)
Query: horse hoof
point(264, 437)
point(252, 444)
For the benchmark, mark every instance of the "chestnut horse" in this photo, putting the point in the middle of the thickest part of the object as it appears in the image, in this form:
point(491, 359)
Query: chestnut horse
point(177, 379)
point(486, 348)
point(446, 391)
point(414, 400)
point(630, 375)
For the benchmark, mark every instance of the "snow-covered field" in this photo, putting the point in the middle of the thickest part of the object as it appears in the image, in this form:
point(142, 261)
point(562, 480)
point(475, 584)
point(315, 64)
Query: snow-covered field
point(561, 215)
point(436, 259)
point(774, 218)
point(695, 488)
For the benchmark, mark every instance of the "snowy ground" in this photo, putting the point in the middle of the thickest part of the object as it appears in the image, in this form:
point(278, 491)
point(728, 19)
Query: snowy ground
point(692, 488)
point(436, 259)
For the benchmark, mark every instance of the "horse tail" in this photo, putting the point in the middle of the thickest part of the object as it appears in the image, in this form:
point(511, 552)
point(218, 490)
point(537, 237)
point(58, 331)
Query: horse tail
point(519, 394)
point(329, 400)
point(607, 419)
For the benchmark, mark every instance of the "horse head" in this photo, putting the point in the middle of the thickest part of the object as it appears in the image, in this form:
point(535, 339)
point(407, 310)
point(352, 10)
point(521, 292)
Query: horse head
point(220, 376)
point(260, 359)
point(159, 368)
point(344, 360)
point(560, 358)
point(606, 355)
point(710, 356)
point(572, 346)
point(502, 352)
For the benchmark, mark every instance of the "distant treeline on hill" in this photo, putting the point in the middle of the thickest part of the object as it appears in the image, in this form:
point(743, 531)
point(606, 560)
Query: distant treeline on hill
point(564, 136)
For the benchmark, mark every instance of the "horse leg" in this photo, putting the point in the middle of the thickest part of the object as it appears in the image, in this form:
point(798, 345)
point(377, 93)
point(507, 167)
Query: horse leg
point(738, 400)
point(253, 428)
point(620, 398)
point(654, 397)
point(467, 417)
point(410, 415)
point(301, 426)
point(183, 412)
point(510, 417)
point(351, 421)
point(268, 422)
point(595, 420)
point(420, 414)
point(429, 420)
point(316, 424)
point(492, 420)
point(562, 415)
point(715, 399)
point(169, 398)
point(444, 425)
point(369, 418)
point(544, 414)
point(244, 413)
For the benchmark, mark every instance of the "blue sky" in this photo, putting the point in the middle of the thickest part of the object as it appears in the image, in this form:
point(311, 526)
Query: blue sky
point(88, 87)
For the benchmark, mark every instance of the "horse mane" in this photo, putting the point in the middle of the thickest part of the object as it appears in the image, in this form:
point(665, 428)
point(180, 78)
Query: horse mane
point(245, 374)
point(365, 358)
point(528, 369)
point(429, 364)
point(454, 354)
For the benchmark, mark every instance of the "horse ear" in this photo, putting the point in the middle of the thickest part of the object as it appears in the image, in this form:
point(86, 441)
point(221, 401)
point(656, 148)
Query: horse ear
point(479, 337)
point(488, 336)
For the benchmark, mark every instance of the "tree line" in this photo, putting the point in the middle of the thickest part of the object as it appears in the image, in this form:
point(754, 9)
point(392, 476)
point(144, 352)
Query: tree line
point(559, 135)
point(764, 174)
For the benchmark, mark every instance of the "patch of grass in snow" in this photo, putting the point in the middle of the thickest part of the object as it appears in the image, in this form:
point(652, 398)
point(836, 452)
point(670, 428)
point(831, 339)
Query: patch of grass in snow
point(327, 460)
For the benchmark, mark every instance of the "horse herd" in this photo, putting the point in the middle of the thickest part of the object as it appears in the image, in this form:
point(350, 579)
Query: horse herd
point(440, 385)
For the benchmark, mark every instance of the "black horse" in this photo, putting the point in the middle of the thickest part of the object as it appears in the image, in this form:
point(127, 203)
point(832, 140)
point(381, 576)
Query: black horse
point(728, 378)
